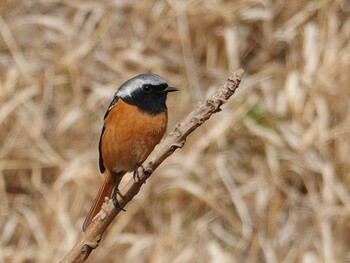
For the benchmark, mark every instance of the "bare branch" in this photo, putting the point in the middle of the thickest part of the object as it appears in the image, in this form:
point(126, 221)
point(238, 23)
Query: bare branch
point(90, 239)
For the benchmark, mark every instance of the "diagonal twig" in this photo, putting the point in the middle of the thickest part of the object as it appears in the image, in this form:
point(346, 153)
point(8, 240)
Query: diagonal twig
point(90, 239)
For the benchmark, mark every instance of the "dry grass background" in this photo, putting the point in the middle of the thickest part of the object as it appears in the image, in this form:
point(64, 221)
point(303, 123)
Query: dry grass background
point(266, 180)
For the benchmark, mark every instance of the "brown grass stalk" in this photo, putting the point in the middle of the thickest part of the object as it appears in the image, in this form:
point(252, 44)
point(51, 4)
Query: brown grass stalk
point(90, 239)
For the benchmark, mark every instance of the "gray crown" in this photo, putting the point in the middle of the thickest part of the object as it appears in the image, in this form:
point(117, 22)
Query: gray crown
point(127, 89)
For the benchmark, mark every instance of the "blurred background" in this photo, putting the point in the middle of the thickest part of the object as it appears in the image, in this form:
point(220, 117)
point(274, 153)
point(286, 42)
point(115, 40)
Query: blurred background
point(266, 180)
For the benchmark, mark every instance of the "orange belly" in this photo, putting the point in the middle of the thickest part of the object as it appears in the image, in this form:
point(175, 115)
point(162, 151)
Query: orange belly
point(130, 136)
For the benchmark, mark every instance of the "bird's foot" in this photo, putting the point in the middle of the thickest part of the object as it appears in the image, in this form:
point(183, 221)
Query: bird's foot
point(115, 201)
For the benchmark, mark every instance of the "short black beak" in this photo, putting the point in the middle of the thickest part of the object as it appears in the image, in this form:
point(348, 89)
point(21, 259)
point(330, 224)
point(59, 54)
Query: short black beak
point(170, 89)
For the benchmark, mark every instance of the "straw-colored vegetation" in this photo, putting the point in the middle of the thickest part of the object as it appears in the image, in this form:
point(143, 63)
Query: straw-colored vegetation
point(266, 180)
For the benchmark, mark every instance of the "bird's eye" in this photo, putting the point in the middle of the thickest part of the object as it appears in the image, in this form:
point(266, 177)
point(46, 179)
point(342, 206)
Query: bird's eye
point(147, 88)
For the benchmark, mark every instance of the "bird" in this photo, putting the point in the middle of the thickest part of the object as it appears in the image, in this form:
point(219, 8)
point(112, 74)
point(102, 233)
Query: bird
point(135, 122)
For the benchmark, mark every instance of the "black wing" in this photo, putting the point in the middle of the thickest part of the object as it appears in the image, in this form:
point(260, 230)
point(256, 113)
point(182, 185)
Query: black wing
point(114, 101)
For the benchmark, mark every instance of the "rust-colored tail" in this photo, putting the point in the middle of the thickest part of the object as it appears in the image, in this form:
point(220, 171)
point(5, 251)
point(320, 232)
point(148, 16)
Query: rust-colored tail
point(111, 181)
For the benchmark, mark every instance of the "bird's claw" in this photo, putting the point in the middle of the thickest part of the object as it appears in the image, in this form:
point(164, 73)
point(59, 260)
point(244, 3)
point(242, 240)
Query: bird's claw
point(115, 199)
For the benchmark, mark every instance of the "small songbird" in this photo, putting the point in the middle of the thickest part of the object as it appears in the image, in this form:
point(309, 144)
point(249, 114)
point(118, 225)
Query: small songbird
point(134, 124)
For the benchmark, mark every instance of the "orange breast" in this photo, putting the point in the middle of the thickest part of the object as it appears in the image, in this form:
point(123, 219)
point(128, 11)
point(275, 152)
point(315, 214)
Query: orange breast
point(130, 136)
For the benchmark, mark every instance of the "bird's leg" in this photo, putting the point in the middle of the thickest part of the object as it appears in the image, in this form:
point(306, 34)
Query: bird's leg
point(115, 199)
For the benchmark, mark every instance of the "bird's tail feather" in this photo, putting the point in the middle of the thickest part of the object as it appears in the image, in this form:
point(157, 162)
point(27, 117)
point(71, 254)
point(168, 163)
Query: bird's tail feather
point(110, 181)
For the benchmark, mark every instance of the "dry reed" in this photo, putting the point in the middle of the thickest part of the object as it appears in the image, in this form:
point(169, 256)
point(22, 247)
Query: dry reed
point(267, 180)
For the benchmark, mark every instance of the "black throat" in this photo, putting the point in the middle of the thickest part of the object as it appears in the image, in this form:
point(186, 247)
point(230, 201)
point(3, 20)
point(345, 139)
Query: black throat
point(150, 103)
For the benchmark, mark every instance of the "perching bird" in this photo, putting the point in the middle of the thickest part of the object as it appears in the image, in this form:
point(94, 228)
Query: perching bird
point(134, 124)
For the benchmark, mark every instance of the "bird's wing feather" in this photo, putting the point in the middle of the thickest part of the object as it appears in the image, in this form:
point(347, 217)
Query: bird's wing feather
point(113, 103)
